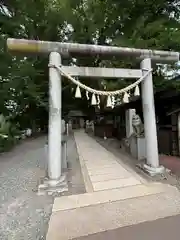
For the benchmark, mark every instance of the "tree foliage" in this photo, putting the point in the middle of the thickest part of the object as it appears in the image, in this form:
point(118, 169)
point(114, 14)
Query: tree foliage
point(132, 23)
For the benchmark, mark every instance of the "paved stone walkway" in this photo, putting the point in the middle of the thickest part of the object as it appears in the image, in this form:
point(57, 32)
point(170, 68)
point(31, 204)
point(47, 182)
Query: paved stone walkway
point(115, 196)
point(101, 166)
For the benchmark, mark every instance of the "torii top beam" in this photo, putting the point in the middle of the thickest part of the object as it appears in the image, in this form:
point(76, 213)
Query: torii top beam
point(33, 46)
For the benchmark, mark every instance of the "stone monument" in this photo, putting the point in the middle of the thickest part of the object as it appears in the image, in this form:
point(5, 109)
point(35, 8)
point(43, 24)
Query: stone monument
point(137, 139)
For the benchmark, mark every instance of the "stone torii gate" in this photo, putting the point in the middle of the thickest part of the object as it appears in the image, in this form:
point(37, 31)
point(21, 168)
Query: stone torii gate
point(56, 50)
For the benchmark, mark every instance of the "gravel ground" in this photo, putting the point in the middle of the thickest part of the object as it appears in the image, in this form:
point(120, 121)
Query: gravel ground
point(23, 214)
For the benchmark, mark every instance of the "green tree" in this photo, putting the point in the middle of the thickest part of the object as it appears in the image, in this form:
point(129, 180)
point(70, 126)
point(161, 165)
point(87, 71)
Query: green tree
point(132, 23)
point(24, 80)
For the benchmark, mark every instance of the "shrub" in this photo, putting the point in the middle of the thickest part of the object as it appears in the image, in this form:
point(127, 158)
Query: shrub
point(8, 134)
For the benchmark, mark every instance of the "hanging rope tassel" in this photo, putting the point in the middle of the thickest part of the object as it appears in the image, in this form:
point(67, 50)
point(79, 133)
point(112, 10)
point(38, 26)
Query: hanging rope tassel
point(93, 100)
point(78, 92)
point(118, 100)
point(87, 95)
point(89, 89)
point(137, 91)
point(98, 101)
point(98, 92)
point(126, 97)
point(109, 103)
point(112, 101)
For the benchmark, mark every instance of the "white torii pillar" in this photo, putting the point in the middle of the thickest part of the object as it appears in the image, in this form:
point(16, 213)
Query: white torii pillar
point(152, 156)
point(54, 135)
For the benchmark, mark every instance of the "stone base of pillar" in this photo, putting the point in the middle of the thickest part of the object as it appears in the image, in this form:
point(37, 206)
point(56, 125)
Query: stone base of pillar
point(151, 170)
point(53, 187)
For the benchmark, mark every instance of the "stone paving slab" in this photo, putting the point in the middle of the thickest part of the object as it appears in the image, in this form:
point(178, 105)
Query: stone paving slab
point(105, 177)
point(94, 166)
point(114, 170)
point(90, 165)
point(115, 183)
point(163, 228)
point(87, 199)
point(78, 222)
